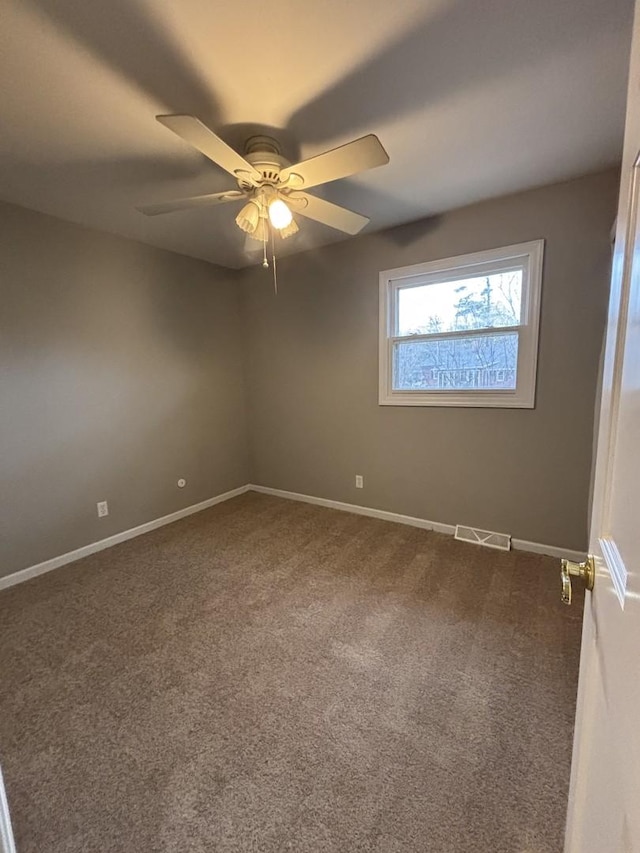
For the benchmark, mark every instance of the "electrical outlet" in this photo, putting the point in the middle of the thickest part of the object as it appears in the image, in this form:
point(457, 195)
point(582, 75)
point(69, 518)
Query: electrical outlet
point(103, 509)
point(359, 481)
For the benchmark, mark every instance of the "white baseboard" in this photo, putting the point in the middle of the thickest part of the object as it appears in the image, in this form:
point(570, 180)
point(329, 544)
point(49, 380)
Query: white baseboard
point(93, 547)
point(439, 526)
point(385, 515)
point(550, 550)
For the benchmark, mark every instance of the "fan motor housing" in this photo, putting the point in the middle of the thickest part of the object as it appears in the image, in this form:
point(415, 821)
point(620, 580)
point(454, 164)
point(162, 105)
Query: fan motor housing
point(263, 152)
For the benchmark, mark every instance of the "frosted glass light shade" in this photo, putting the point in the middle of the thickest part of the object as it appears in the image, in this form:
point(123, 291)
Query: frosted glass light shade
point(289, 230)
point(279, 214)
point(261, 231)
point(248, 217)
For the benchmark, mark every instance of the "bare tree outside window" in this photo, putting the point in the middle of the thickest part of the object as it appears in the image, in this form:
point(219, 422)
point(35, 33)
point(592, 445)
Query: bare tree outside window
point(459, 362)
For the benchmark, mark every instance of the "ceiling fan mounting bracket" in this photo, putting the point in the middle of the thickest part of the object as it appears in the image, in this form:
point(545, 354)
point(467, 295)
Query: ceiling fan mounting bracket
point(262, 144)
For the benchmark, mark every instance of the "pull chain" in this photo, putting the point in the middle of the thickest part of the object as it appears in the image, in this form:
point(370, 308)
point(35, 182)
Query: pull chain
point(275, 269)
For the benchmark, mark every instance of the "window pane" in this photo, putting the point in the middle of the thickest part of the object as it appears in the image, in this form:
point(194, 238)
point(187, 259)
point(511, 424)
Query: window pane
point(483, 362)
point(469, 303)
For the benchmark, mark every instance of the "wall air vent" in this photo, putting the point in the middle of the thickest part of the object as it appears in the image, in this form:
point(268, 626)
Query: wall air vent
point(501, 541)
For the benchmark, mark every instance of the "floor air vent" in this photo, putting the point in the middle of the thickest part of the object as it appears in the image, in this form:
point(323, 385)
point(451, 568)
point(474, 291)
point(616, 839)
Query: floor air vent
point(502, 541)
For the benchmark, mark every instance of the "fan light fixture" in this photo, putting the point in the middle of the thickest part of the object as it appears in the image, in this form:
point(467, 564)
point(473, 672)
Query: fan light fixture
point(249, 217)
point(279, 214)
point(261, 231)
point(255, 216)
point(289, 230)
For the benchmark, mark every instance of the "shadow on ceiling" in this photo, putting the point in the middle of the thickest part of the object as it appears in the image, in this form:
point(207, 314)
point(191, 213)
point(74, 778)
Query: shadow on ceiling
point(125, 37)
point(459, 48)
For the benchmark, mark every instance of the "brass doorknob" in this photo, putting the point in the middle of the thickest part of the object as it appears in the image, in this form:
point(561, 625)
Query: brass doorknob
point(586, 571)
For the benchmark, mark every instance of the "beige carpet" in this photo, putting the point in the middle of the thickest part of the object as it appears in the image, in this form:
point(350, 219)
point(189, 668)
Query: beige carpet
point(272, 676)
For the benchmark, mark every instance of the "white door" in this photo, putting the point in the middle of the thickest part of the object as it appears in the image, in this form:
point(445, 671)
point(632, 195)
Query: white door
point(604, 799)
point(6, 835)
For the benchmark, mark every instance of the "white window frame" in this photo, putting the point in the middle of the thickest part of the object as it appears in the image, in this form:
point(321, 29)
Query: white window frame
point(528, 256)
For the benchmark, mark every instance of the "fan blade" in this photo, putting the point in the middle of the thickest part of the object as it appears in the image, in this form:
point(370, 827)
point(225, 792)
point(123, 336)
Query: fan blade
point(186, 203)
point(326, 212)
point(357, 156)
point(191, 130)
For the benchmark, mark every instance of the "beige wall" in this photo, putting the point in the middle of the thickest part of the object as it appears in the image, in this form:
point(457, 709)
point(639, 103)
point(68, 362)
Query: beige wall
point(120, 371)
point(313, 374)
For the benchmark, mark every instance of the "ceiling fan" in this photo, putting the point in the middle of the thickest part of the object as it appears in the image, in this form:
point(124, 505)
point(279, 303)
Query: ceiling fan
point(271, 187)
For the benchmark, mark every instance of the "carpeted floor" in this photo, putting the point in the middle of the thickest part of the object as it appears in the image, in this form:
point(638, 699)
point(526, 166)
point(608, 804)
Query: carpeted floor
point(271, 676)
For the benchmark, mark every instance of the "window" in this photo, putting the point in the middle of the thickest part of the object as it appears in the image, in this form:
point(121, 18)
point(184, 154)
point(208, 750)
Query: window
point(462, 331)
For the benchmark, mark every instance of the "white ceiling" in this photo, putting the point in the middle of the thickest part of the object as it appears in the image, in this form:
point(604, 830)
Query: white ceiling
point(471, 99)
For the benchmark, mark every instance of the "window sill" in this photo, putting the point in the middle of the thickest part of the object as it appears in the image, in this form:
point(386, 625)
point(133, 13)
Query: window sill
point(473, 400)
